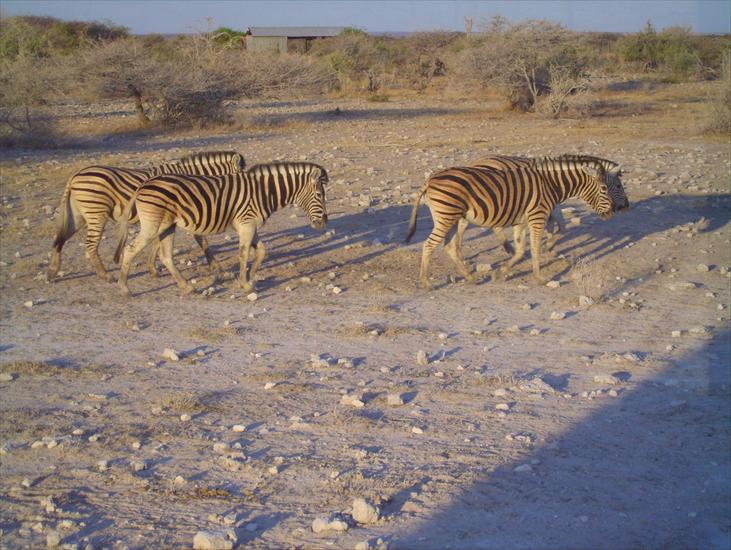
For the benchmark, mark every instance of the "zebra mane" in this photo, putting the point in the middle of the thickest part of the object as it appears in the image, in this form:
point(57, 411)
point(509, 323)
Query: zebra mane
point(564, 163)
point(205, 155)
point(606, 163)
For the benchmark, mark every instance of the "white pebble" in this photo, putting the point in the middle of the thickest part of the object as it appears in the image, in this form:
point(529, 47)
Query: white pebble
point(170, 353)
point(252, 296)
point(553, 284)
point(269, 385)
point(557, 315)
point(185, 417)
point(364, 512)
point(422, 358)
point(238, 428)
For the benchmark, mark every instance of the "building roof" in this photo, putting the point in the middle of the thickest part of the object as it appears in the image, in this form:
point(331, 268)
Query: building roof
point(296, 32)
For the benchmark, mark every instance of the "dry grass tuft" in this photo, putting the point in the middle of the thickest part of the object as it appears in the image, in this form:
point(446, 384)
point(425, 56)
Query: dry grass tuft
point(29, 367)
point(186, 402)
point(216, 334)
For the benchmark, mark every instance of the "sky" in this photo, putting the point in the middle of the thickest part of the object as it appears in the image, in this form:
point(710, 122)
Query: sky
point(185, 16)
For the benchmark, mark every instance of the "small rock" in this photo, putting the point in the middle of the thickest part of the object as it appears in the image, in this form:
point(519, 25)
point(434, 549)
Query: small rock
point(185, 417)
point(322, 524)
point(702, 268)
point(352, 400)
point(698, 329)
point(502, 407)
point(500, 392)
point(102, 465)
point(557, 315)
point(220, 447)
point(169, 353)
point(676, 333)
point(607, 379)
point(252, 296)
point(422, 358)
point(238, 428)
point(6, 377)
point(585, 301)
point(214, 540)
point(28, 304)
point(394, 400)
point(364, 512)
point(269, 385)
point(553, 284)
point(337, 290)
point(139, 465)
point(53, 539)
point(417, 430)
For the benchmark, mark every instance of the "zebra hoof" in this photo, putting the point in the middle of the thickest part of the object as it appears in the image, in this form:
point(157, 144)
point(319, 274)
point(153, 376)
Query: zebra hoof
point(124, 291)
point(187, 290)
point(153, 273)
point(50, 276)
point(539, 281)
point(426, 285)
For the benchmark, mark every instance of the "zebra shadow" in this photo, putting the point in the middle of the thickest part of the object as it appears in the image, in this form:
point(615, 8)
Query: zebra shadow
point(368, 234)
point(596, 239)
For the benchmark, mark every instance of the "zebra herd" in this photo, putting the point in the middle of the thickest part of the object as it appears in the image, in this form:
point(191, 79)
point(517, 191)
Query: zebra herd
point(208, 193)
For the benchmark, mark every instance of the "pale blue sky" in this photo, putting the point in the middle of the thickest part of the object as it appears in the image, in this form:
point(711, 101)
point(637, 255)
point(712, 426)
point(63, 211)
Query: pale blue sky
point(160, 16)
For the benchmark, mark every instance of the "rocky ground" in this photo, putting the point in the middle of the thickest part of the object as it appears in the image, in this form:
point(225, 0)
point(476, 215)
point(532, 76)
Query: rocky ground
point(494, 415)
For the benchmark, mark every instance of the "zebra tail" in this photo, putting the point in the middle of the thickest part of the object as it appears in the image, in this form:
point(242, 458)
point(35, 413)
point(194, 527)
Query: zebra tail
point(62, 234)
point(414, 212)
point(124, 229)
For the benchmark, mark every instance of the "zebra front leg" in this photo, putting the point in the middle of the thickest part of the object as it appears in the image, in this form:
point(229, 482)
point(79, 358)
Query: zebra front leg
point(258, 258)
point(536, 232)
point(454, 252)
point(246, 235)
point(167, 238)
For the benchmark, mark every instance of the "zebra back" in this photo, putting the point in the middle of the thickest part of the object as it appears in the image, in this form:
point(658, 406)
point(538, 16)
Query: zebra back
point(208, 163)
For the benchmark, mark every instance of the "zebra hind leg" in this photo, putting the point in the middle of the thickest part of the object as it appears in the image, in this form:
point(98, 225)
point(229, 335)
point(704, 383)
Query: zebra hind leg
point(454, 251)
point(260, 252)
point(73, 224)
point(148, 233)
point(519, 238)
point(203, 244)
point(151, 260)
point(94, 229)
point(167, 238)
point(246, 236)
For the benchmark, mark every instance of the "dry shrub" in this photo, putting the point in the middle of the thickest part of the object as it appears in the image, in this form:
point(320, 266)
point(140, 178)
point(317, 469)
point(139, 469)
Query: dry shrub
point(192, 84)
point(589, 278)
point(570, 95)
point(721, 104)
point(186, 402)
point(519, 59)
point(27, 85)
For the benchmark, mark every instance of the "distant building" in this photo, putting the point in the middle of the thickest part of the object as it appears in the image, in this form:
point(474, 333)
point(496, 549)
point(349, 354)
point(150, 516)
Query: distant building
point(282, 39)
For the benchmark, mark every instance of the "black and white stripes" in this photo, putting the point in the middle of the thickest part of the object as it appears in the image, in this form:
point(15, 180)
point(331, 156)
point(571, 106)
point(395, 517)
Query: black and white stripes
point(97, 193)
point(210, 205)
point(493, 197)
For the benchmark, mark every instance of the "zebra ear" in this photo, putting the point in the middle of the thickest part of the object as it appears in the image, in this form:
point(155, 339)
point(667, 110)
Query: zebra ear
point(594, 171)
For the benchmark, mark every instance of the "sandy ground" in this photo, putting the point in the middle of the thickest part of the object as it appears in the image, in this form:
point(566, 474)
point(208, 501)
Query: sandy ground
point(603, 429)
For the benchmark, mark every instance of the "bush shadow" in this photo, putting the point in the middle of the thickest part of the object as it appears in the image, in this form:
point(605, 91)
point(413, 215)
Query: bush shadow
point(671, 491)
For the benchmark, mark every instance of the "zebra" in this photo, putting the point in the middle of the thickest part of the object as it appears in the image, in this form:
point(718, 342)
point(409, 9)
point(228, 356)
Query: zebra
point(556, 223)
point(96, 193)
point(205, 205)
point(497, 198)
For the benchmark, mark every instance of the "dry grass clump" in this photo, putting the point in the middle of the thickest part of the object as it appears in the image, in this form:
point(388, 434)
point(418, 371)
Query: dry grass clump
point(187, 402)
point(29, 367)
point(589, 277)
point(216, 334)
point(721, 103)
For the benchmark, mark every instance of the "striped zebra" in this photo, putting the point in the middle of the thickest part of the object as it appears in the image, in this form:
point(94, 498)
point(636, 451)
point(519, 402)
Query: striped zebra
point(96, 193)
point(556, 223)
point(209, 205)
point(497, 198)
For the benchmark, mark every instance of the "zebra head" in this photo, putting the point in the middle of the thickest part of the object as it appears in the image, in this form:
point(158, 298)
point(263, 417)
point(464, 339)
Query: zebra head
point(616, 189)
point(311, 197)
point(595, 191)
